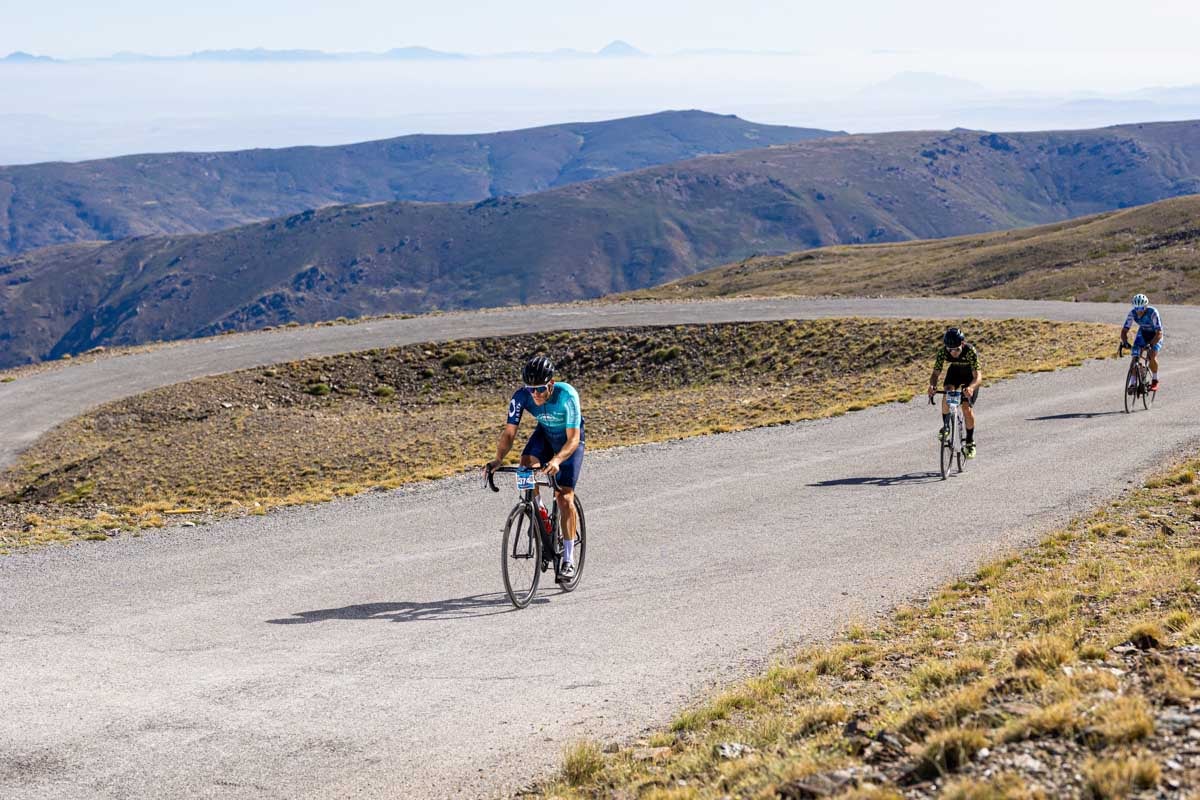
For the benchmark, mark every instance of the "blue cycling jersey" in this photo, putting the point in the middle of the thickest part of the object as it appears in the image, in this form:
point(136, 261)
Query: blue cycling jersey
point(1148, 325)
point(555, 416)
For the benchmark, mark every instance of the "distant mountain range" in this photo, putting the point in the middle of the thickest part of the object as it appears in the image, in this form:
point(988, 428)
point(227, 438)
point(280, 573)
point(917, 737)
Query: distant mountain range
point(584, 239)
point(616, 49)
point(57, 203)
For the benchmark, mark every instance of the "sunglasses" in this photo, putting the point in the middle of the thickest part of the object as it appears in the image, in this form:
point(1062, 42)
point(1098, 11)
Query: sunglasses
point(539, 389)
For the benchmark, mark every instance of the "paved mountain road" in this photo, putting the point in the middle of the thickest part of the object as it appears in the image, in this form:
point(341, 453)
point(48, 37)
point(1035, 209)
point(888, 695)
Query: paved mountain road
point(33, 404)
point(365, 648)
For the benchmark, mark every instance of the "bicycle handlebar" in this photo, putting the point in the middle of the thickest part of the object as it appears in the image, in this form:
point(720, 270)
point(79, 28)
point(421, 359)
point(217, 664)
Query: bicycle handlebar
point(943, 391)
point(542, 479)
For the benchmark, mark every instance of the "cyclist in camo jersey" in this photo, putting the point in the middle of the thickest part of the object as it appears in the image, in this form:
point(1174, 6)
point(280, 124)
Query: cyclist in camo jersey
point(962, 370)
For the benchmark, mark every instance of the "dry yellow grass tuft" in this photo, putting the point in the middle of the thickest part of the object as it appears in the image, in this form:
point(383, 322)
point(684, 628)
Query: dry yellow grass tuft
point(1116, 779)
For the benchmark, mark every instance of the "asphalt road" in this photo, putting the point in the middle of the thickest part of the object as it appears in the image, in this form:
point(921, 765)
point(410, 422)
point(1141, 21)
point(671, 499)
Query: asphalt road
point(364, 648)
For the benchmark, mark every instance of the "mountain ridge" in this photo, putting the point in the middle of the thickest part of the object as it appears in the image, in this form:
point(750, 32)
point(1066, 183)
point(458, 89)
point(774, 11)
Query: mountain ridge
point(170, 193)
point(614, 49)
point(582, 240)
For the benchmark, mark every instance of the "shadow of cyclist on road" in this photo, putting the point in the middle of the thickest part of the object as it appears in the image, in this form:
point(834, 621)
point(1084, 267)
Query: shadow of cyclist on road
point(479, 605)
point(890, 480)
point(1077, 415)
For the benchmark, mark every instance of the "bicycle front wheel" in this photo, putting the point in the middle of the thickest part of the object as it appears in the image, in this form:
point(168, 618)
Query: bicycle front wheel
point(947, 457)
point(521, 555)
point(1144, 388)
point(1130, 391)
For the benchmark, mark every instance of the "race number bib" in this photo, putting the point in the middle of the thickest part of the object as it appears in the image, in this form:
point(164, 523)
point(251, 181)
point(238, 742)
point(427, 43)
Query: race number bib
point(526, 480)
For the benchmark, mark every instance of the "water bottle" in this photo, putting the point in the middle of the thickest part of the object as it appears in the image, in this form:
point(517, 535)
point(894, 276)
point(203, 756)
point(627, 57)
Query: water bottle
point(545, 515)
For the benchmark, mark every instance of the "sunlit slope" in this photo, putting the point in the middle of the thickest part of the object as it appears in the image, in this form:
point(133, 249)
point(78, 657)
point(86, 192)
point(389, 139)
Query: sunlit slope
point(1153, 248)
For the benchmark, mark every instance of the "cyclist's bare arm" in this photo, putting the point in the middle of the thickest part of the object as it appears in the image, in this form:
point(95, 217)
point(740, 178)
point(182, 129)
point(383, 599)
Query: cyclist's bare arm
point(1125, 336)
point(507, 436)
point(976, 379)
point(567, 449)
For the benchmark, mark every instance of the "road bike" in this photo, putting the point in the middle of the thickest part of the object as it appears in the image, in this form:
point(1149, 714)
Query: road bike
point(1137, 379)
point(951, 450)
point(532, 540)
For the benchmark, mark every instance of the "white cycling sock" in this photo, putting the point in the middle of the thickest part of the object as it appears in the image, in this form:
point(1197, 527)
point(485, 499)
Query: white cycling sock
point(568, 547)
point(1154, 375)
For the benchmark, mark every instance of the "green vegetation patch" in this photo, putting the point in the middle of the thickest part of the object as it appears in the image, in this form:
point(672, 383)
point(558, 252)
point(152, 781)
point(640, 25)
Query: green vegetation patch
point(311, 430)
point(1070, 670)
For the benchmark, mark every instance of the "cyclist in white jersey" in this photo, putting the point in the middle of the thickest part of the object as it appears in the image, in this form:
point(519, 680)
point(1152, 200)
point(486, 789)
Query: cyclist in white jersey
point(1149, 333)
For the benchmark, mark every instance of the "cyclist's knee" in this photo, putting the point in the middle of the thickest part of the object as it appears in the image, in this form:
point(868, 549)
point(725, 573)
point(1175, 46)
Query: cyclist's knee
point(565, 496)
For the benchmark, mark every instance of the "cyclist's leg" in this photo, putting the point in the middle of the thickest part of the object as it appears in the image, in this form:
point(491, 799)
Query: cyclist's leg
point(568, 476)
point(968, 408)
point(1154, 359)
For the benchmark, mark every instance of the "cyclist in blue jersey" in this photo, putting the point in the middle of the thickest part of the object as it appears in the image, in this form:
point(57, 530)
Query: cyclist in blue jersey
point(556, 445)
point(1149, 333)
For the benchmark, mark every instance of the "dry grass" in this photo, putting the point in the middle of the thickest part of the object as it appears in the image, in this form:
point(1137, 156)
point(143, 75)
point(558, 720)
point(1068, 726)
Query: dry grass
point(582, 761)
point(1115, 779)
point(313, 430)
point(1029, 660)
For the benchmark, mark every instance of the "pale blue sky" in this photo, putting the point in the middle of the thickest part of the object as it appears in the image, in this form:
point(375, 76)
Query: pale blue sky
point(81, 28)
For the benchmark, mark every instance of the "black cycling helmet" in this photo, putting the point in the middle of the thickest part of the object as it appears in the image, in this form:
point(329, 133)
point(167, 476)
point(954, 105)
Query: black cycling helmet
point(953, 337)
point(538, 370)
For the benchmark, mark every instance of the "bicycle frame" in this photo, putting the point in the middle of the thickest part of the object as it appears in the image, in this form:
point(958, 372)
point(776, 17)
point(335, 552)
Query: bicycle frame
point(531, 498)
point(1137, 379)
point(958, 429)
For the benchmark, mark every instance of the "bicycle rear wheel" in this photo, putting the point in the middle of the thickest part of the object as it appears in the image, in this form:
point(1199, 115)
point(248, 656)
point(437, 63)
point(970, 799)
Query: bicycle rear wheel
point(521, 555)
point(580, 545)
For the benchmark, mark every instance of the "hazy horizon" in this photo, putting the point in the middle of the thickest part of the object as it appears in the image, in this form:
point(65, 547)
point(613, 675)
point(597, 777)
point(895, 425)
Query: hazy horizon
point(1078, 66)
point(80, 28)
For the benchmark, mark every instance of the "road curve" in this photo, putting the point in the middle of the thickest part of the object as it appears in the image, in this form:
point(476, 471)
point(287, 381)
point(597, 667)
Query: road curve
point(363, 647)
point(37, 402)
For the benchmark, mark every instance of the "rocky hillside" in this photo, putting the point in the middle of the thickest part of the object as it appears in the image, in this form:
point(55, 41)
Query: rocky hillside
point(58, 203)
point(583, 240)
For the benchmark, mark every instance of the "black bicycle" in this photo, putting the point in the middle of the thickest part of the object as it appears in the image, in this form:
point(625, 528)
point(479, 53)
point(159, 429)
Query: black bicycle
point(532, 541)
point(951, 450)
point(1137, 379)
